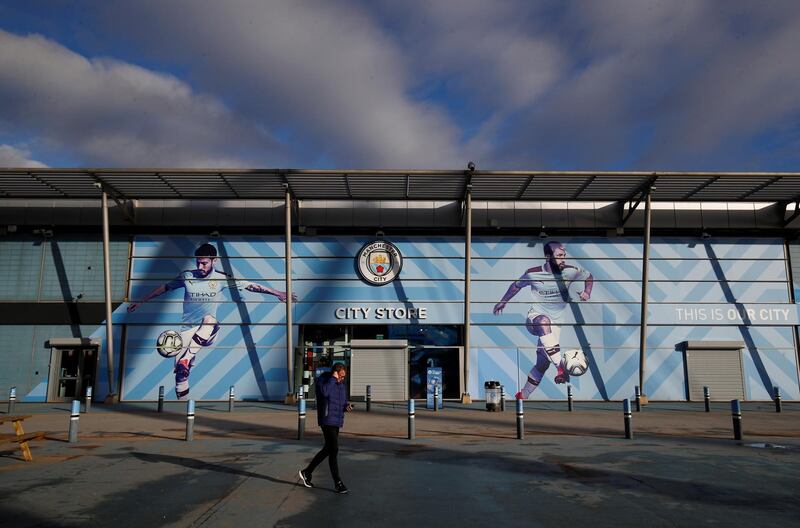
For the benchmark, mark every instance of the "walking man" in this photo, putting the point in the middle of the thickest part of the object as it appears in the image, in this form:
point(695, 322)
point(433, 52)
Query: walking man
point(331, 405)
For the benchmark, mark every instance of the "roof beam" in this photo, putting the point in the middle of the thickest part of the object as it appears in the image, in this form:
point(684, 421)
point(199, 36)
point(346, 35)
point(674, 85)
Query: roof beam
point(583, 187)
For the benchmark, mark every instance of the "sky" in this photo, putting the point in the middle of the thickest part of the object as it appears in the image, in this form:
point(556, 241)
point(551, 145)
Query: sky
point(674, 85)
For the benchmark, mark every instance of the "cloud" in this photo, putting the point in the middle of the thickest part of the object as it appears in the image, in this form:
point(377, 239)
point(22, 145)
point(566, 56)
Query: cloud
point(323, 73)
point(17, 158)
point(664, 85)
point(618, 84)
point(110, 113)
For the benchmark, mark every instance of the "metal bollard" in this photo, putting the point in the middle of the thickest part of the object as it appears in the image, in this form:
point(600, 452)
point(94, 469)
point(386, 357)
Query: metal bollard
point(161, 399)
point(412, 430)
point(12, 400)
point(707, 398)
point(736, 414)
point(626, 411)
point(520, 420)
point(369, 397)
point(436, 398)
point(638, 392)
point(87, 404)
point(778, 399)
point(301, 417)
point(190, 420)
point(230, 399)
point(73, 421)
point(502, 398)
point(569, 397)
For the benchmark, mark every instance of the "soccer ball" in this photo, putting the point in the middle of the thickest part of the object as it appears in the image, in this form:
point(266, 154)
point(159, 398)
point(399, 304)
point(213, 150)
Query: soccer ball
point(575, 362)
point(169, 343)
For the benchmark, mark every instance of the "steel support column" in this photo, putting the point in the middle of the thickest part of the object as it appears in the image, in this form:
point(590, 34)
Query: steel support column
point(289, 344)
point(107, 279)
point(467, 265)
point(643, 322)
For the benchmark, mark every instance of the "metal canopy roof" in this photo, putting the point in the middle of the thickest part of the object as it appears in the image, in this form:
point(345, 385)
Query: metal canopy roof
point(210, 184)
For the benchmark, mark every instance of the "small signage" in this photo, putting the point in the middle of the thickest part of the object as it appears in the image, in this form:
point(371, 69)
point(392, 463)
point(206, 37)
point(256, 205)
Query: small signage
point(434, 379)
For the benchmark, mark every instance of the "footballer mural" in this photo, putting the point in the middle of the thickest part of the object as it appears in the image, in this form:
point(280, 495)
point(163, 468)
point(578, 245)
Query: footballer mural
point(202, 289)
point(550, 284)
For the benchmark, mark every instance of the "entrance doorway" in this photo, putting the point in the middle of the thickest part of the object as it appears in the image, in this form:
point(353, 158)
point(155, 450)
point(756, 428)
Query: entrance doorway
point(72, 370)
point(426, 346)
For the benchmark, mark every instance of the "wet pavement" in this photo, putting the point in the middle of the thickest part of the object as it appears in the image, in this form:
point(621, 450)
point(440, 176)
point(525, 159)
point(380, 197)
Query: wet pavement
point(131, 467)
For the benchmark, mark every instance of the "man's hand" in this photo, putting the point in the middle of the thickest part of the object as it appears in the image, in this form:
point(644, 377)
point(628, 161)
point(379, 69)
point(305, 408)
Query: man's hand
point(498, 308)
point(282, 296)
point(349, 407)
point(584, 296)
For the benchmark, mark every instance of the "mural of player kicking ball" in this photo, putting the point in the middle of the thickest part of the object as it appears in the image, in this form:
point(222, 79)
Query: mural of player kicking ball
point(199, 323)
point(549, 284)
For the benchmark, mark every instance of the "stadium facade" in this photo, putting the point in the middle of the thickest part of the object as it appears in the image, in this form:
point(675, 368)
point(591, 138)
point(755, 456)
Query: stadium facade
point(671, 281)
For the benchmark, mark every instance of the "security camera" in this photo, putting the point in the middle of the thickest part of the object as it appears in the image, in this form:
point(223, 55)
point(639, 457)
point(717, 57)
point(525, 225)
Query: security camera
point(470, 166)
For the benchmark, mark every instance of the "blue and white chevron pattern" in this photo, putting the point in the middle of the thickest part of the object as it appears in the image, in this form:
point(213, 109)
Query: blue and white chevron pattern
point(731, 274)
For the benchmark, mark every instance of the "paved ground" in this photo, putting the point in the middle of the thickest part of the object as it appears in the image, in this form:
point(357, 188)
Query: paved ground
point(131, 467)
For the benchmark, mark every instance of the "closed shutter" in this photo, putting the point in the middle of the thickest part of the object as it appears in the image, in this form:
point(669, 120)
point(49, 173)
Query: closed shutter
point(385, 369)
point(719, 370)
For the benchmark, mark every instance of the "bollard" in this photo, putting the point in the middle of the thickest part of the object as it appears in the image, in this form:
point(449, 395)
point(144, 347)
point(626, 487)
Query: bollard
point(638, 392)
point(12, 400)
point(73, 421)
point(502, 398)
point(778, 399)
point(230, 399)
point(412, 431)
point(736, 414)
point(161, 399)
point(88, 400)
point(520, 420)
point(626, 411)
point(436, 398)
point(707, 398)
point(369, 397)
point(190, 420)
point(301, 417)
point(569, 397)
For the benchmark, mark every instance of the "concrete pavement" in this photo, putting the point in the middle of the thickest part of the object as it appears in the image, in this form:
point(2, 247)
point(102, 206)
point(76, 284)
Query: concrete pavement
point(132, 468)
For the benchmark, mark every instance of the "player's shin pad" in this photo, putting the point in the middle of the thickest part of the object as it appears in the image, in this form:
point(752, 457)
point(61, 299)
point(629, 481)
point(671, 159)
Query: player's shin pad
point(550, 344)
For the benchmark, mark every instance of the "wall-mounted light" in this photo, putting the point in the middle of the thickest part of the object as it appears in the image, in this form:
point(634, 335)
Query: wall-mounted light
point(704, 235)
point(214, 234)
point(542, 234)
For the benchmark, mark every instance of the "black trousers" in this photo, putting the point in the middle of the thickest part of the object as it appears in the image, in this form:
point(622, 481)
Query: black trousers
point(330, 450)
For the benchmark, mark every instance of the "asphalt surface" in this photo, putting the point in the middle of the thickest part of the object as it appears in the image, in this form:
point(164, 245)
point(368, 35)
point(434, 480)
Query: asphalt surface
point(132, 467)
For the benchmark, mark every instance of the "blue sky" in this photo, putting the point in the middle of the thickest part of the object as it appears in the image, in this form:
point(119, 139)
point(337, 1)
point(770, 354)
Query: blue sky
point(511, 84)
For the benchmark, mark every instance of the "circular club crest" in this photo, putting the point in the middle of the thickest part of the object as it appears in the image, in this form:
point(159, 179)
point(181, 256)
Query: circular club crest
point(379, 262)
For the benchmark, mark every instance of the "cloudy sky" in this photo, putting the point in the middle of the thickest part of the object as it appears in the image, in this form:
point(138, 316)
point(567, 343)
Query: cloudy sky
point(510, 84)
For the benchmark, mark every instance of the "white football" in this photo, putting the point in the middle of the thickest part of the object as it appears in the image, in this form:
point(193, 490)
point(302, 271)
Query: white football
point(575, 362)
point(169, 343)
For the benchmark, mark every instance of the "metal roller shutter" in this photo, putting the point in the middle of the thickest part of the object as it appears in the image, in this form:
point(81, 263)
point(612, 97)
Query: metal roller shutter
point(719, 370)
point(381, 364)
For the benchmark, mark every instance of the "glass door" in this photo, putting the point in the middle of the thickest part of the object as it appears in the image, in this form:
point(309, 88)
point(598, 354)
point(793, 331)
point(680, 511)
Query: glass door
point(74, 370)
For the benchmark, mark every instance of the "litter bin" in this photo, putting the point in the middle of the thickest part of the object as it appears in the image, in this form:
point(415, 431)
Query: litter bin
point(492, 389)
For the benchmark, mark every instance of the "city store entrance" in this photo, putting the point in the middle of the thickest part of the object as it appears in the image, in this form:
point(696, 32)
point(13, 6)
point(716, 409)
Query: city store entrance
point(421, 346)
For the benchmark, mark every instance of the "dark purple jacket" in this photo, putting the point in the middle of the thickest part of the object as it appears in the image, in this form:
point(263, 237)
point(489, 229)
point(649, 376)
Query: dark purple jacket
point(331, 400)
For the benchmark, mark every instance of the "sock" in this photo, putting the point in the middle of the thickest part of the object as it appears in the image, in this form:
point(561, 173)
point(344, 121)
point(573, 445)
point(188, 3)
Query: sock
point(531, 384)
point(550, 344)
